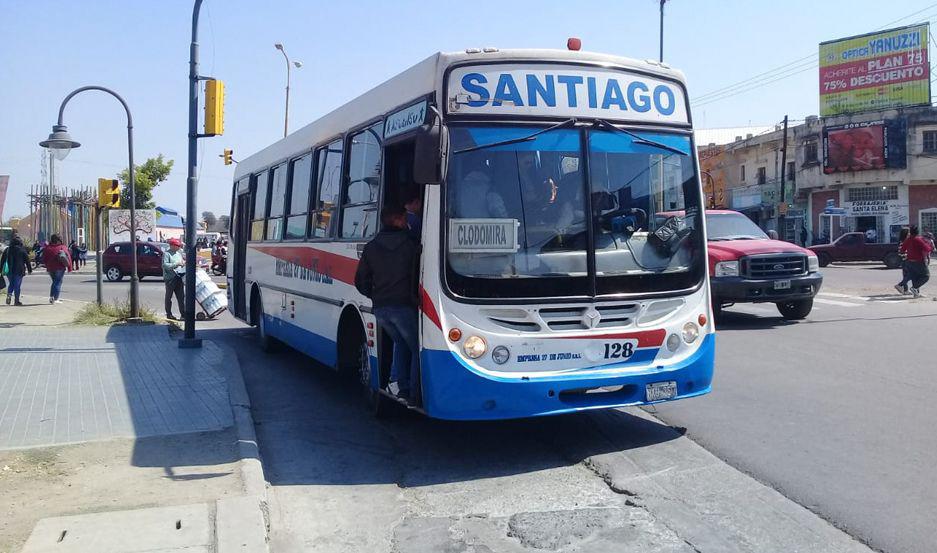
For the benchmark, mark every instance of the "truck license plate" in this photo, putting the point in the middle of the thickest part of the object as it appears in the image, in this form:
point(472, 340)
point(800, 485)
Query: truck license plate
point(782, 285)
point(657, 391)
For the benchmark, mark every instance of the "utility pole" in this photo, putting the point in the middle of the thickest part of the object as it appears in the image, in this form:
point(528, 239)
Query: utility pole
point(191, 216)
point(98, 271)
point(662, 2)
point(781, 217)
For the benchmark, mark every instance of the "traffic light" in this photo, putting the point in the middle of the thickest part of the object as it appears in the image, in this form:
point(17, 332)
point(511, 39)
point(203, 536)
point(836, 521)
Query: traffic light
point(227, 156)
point(214, 107)
point(108, 193)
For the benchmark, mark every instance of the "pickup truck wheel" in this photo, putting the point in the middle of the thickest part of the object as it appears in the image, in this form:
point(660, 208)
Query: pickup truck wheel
point(795, 310)
point(892, 260)
point(824, 259)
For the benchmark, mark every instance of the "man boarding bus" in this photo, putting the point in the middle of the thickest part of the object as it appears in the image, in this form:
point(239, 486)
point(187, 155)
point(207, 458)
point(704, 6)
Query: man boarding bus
point(546, 282)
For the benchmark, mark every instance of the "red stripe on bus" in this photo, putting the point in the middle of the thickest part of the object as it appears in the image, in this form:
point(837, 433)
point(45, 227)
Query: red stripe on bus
point(429, 309)
point(646, 339)
point(336, 266)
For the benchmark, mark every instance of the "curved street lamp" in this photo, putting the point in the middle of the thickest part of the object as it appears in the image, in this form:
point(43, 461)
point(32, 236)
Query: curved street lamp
point(297, 65)
point(61, 143)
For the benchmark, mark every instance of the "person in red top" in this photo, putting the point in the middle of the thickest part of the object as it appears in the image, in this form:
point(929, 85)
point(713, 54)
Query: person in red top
point(57, 260)
point(918, 251)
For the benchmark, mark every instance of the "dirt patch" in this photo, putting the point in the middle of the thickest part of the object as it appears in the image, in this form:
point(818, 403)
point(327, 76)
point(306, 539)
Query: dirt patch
point(112, 475)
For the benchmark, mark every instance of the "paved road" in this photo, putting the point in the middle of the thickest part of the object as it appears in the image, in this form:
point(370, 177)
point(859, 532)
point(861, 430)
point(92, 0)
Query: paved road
point(836, 412)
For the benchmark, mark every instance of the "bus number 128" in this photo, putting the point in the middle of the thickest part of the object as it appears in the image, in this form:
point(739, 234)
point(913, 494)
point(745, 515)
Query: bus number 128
point(616, 350)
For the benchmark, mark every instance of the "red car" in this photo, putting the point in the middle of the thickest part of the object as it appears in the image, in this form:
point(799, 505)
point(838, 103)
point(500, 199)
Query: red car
point(116, 260)
point(746, 266)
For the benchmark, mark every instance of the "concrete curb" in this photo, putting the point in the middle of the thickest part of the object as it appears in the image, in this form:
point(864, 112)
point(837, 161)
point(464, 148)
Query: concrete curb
point(241, 522)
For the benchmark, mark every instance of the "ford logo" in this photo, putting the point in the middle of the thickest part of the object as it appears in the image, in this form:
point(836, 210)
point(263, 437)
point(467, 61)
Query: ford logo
point(778, 267)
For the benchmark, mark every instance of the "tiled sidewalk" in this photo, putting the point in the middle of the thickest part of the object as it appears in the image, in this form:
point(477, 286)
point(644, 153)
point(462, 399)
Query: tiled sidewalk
point(73, 384)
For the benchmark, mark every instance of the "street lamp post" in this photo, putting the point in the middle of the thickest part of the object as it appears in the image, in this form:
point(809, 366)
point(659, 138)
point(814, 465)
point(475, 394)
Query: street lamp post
point(297, 64)
point(60, 142)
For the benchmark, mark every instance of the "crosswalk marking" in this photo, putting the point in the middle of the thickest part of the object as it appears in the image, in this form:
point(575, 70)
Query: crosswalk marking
point(836, 302)
point(847, 296)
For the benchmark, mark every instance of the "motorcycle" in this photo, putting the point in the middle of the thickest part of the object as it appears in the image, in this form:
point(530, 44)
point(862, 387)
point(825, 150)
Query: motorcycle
point(219, 260)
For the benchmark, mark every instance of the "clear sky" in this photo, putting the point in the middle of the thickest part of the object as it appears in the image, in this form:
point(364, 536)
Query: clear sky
point(140, 48)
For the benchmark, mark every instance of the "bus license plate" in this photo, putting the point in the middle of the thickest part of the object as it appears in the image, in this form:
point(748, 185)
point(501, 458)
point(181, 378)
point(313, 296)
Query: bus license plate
point(657, 391)
point(782, 285)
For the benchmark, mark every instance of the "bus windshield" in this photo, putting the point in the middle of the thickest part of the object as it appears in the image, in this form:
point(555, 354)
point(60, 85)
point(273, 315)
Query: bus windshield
point(570, 212)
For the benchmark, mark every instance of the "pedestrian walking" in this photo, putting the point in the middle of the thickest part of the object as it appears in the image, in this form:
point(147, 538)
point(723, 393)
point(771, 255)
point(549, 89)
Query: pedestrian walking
point(58, 261)
point(387, 273)
point(902, 286)
point(75, 253)
point(172, 261)
point(918, 251)
point(14, 264)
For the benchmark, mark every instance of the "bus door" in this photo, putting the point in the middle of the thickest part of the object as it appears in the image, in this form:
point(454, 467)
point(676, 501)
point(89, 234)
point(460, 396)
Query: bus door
point(242, 230)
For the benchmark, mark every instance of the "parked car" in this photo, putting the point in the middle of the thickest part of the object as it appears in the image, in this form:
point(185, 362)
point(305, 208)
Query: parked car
point(853, 246)
point(116, 260)
point(745, 266)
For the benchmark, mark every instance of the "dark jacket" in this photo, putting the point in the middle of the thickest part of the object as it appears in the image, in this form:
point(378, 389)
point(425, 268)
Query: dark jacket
point(18, 258)
point(388, 270)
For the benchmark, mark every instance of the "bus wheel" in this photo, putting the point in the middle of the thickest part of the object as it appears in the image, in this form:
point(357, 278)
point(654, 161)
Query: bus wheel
point(377, 403)
point(268, 344)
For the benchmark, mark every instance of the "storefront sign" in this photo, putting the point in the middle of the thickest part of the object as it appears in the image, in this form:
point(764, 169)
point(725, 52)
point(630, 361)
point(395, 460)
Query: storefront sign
point(895, 213)
point(875, 71)
point(746, 197)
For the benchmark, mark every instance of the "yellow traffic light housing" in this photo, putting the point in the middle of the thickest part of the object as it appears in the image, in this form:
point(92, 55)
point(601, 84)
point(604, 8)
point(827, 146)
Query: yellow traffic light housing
point(214, 107)
point(227, 156)
point(108, 193)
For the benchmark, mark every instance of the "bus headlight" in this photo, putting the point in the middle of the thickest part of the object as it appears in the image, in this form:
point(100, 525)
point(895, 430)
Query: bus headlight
point(500, 354)
point(474, 347)
point(726, 268)
point(690, 332)
point(813, 264)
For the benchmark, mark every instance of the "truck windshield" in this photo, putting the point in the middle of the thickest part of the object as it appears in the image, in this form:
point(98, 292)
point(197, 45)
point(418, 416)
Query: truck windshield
point(732, 226)
point(522, 220)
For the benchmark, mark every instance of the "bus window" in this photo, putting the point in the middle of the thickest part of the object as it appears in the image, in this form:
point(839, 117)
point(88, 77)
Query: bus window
point(260, 206)
point(298, 197)
point(328, 176)
point(277, 199)
point(359, 211)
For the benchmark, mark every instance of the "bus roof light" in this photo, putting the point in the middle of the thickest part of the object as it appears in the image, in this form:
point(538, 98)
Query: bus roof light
point(573, 44)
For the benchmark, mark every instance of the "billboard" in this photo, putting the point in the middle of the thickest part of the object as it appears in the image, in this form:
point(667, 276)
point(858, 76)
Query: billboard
point(875, 71)
point(864, 146)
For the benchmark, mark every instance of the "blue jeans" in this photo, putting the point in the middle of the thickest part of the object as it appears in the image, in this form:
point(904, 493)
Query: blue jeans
point(401, 324)
point(16, 282)
point(57, 277)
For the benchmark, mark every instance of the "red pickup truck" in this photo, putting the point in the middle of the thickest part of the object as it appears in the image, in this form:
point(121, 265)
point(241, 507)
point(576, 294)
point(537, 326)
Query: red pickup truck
point(745, 266)
point(853, 246)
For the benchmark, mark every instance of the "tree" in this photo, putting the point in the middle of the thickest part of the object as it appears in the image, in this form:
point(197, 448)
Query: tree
point(210, 220)
point(224, 223)
point(148, 176)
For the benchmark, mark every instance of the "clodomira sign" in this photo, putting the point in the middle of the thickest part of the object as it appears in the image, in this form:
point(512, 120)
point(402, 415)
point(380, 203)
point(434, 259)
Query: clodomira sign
point(875, 71)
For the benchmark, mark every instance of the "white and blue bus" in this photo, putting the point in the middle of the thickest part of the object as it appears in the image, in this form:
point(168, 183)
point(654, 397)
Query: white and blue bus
point(549, 283)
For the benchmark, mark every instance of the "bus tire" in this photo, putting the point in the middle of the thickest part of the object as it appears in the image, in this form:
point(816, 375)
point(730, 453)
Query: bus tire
point(268, 344)
point(355, 362)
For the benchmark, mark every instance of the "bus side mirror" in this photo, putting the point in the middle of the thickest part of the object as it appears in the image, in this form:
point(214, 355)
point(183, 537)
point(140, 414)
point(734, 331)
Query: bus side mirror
point(427, 153)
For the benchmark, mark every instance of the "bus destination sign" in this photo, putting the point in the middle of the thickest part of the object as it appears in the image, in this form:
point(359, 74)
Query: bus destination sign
point(483, 235)
point(564, 91)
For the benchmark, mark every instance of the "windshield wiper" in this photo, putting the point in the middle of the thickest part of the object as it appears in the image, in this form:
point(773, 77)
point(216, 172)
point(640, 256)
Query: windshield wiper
point(527, 138)
point(638, 139)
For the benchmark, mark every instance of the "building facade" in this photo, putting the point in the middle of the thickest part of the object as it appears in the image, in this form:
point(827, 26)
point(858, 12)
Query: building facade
point(878, 170)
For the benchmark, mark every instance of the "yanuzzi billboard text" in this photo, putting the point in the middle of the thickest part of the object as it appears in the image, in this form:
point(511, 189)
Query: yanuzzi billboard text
point(875, 71)
point(564, 91)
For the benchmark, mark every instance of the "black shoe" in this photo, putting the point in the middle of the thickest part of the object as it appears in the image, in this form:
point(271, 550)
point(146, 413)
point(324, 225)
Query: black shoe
point(19, 303)
point(171, 317)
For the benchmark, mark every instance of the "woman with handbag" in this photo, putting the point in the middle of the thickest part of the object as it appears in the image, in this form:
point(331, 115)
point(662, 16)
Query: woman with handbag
point(14, 263)
point(57, 260)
